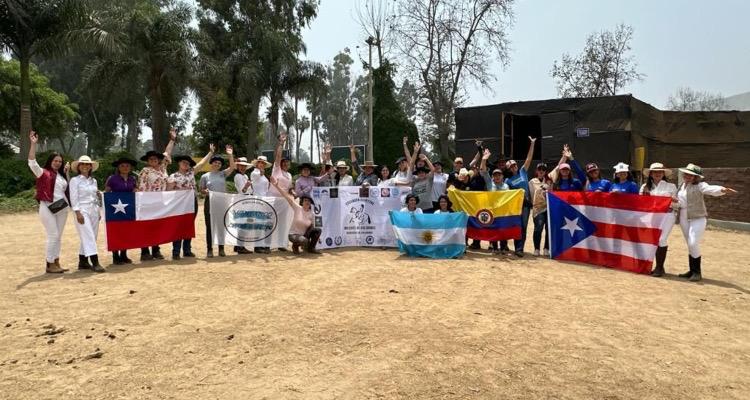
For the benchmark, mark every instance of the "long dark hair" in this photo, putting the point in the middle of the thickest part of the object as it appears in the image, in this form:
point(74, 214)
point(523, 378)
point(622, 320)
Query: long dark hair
point(448, 202)
point(48, 164)
point(615, 179)
point(650, 182)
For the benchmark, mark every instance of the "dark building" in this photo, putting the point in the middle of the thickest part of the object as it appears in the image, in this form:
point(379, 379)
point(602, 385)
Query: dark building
point(606, 130)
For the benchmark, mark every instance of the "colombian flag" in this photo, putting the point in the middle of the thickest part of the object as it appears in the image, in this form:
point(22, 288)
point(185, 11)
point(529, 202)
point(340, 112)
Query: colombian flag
point(492, 215)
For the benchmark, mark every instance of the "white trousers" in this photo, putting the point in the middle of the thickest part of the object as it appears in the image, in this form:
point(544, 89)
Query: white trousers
point(666, 229)
point(54, 225)
point(88, 231)
point(693, 232)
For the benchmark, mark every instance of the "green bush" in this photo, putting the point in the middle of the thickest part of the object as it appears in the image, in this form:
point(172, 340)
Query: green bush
point(21, 202)
point(15, 177)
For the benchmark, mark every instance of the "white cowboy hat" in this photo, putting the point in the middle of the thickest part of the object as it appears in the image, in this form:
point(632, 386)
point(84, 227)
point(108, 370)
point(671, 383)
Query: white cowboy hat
point(657, 167)
point(85, 160)
point(692, 169)
point(263, 159)
point(243, 161)
point(621, 167)
point(342, 164)
point(465, 172)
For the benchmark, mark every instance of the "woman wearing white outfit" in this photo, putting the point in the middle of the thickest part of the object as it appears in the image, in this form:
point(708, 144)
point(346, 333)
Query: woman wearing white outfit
point(259, 185)
point(84, 200)
point(52, 195)
point(692, 214)
point(657, 185)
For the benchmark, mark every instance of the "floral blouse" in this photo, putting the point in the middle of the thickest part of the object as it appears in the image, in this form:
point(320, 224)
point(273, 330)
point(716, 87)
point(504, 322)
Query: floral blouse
point(182, 181)
point(152, 180)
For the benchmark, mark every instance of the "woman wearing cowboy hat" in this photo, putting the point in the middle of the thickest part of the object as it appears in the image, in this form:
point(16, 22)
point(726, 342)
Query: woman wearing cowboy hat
point(623, 182)
point(153, 178)
point(259, 185)
point(52, 196)
point(215, 180)
point(366, 172)
point(243, 186)
point(658, 185)
point(84, 200)
point(184, 179)
point(341, 177)
point(303, 233)
point(692, 214)
point(121, 181)
point(305, 182)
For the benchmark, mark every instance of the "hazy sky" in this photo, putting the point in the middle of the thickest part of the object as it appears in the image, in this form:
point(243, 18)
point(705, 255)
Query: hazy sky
point(699, 44)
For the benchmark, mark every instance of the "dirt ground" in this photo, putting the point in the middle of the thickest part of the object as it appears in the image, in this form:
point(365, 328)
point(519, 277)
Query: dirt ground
point(370, 324)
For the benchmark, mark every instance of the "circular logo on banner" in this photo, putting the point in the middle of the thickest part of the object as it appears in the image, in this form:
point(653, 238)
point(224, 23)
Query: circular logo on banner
point(485, 217)
point(370, 240)
point(338, 241)
point(329, 242)
point(250, 220)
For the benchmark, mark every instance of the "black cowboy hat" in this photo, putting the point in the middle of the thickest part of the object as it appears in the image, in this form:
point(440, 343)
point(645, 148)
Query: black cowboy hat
point(185, 158)
point(152, 153)
point(124, 160)
point(217, 158)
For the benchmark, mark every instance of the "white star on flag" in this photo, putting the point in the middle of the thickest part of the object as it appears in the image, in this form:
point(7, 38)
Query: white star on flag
point(120, 206)
point(571, 226)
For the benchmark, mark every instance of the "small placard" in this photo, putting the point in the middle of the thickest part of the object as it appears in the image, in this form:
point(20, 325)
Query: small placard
point(582, 132)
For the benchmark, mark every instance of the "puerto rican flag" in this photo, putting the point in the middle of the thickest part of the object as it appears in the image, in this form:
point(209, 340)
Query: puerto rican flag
point(610, 229)
point(143, 219)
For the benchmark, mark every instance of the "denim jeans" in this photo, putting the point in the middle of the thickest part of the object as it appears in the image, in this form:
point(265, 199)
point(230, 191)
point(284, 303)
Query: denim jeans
point(540, 227)
point(518, 244)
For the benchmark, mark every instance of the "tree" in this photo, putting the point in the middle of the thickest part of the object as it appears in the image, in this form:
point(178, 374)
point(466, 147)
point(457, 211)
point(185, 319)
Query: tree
point(408, 98)
point(687, 99)
point(604, 67)
point(53, 112)
point(44, 28)
point(390, 123)
point(377, 18)
point(445, 45)
point(289, 119)
point(314, 98)
point(339, 107)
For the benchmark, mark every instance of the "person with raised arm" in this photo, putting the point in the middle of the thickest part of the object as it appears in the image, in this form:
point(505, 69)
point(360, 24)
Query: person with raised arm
point(562, 177)
point(366, 172)
point(215, 180)
point(280, 169)
point(53, 198)
point(153, 178)
point(184, 179)
point(520, 180)
point(403, 174)
point(493, 183)
point(303, 233)
point(422, 183)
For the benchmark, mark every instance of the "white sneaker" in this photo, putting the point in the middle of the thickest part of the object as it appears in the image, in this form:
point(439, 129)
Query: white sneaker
point(546, 252)
point(536, 252)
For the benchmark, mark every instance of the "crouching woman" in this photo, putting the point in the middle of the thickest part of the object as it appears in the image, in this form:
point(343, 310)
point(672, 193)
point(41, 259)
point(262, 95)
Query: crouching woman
point(303, 233)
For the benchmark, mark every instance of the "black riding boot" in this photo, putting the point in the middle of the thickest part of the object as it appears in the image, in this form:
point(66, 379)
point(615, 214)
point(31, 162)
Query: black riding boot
point(95, 266)
point(83, 263)
point(696, 277)
point(661, 256)
point(692, 267)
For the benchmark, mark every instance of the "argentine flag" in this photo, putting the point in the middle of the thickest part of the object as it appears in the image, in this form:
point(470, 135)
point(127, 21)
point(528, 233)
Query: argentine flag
point(430, 235)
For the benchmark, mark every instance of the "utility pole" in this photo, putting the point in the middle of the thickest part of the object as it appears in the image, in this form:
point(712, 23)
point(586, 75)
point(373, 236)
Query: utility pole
point(370, 42)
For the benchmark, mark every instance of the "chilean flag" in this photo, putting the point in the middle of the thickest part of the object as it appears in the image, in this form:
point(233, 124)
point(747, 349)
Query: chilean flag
point(610, 229)
point(143, 219)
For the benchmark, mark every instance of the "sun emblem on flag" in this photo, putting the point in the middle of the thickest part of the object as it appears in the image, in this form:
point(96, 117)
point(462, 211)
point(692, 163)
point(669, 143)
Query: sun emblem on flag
point(485, 217)
point(427, 237)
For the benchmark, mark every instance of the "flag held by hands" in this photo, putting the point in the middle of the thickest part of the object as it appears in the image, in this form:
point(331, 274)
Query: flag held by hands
point(430, 235)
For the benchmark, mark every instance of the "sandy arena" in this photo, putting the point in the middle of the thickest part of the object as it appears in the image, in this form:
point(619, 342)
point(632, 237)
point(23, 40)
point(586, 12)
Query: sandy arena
point(370, 324)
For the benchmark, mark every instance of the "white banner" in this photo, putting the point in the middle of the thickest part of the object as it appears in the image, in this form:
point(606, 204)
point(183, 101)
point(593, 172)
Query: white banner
point(357, 216)
point(250, 221)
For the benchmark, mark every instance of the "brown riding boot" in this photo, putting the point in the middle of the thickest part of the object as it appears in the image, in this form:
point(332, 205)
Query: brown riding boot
point(661, 256)
point(57, 263)
point(53, 269)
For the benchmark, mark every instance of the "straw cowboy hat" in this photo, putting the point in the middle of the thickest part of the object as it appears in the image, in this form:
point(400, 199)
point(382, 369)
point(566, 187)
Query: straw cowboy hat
point(657, 167)
point(465, 172)
point(621, 167)
point(369, 164)
point(692, 169)
point(342, 164)
point(263, 159)
point(242, 161)
point(85, 160)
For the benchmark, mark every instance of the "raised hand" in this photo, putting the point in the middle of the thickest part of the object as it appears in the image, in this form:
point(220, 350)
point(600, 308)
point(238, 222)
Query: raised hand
point(66, 168)
point(566, 152)
point(478, 143)
point(532, 139)
point(229, 149)
point(417, 146)
point(422, 157)
point(212, 148)
point(282, 137)
point(33, 137)
point(172, 134)
point(486, 155)
point(406, 140)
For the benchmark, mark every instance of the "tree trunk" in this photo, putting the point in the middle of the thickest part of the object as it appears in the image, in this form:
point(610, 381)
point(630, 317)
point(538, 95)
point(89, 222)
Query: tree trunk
point(312, 150)
point(296, 131)
point(132, 134)
point(252, 122)
point(446, 152)
point(158, 115)
point(25, 109)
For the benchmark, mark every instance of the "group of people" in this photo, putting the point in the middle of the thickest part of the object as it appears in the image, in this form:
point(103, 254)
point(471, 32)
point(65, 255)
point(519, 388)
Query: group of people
point(428, 182)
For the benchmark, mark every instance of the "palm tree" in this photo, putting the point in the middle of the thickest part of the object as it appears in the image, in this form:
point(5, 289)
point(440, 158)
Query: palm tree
point(30, 28)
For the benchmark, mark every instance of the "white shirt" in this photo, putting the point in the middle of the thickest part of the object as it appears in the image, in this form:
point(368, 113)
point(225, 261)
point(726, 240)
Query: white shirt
point(260, 183)
point(403, 177)
point(239, 182)
point(346, 180)
point(417, 211)
point(663, 188)
point(60, 183)
point(83, 193)
point(705, 188)
point(439, 182)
